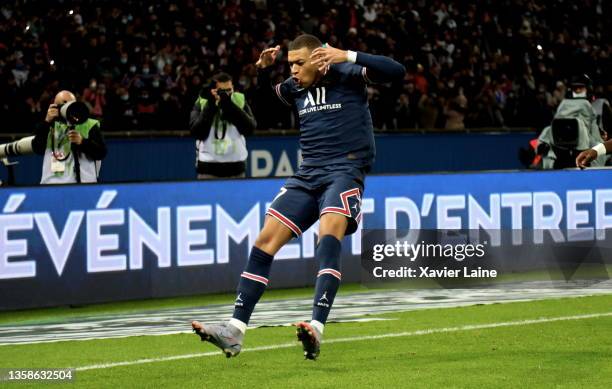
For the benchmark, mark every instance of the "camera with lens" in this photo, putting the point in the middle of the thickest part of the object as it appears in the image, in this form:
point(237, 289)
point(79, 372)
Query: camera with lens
point(73, 113)
point(223, 93)
point(573, 129)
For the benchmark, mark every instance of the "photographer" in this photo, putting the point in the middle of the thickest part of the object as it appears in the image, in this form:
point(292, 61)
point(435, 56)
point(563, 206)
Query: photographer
point(68, 132)
point(574, 129)
point(220, 119)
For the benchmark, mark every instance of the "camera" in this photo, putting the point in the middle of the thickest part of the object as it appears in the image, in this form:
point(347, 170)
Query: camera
point(223, 93)
point(73, 112)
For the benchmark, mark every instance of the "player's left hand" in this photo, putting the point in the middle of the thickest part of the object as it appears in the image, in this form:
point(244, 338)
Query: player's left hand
point(322, 57)
point(75, 137)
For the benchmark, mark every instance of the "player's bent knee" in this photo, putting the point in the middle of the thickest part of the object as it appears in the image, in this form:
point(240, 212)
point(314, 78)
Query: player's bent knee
point(273, 236)
point(333, 224)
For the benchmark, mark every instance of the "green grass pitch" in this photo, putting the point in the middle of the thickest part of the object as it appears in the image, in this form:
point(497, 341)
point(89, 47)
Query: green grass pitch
point(499, 345)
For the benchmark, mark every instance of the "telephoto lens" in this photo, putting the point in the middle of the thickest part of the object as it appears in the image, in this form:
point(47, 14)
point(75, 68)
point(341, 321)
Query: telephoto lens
point(74, 112)
point(18, 147)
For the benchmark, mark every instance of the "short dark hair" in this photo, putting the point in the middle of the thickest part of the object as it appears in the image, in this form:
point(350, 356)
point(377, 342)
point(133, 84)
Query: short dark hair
point(222, 77)
point(306, 40)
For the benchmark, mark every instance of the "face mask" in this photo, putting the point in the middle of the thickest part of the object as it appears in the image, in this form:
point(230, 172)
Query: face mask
point(133, 69)
point(145, 70)
point(145, 97)
point(123, 60)
point(155, 84)
point(93, 85)
point(125, 97)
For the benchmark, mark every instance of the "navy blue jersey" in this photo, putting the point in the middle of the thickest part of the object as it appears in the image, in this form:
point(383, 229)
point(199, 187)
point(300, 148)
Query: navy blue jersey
point(335, 122)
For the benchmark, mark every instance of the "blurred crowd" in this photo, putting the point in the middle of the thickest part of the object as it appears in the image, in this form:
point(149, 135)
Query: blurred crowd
point(141, 64)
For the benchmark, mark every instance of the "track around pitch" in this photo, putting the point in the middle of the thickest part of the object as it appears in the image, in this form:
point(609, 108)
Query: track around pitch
point(353, 307)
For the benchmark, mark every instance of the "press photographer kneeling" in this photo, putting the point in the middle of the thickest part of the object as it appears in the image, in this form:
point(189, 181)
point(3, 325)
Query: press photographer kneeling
point(70, 141)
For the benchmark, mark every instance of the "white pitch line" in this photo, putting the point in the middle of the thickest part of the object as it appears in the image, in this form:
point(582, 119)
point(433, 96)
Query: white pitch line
point(355, 339)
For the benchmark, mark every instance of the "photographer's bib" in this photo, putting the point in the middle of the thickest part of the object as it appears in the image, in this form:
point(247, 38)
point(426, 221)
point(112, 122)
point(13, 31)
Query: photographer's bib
point(222, 145)
point(224, 142)
point(58, 163)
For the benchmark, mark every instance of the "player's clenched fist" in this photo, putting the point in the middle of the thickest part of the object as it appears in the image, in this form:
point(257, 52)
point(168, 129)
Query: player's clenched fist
point(267, 57)
point(585, 158)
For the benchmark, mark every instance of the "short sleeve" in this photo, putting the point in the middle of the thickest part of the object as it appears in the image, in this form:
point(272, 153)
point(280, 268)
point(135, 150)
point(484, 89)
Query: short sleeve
point(285, 90)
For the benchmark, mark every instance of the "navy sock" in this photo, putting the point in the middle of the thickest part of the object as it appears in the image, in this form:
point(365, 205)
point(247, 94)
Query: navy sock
point(253, 282)
point(328, 278)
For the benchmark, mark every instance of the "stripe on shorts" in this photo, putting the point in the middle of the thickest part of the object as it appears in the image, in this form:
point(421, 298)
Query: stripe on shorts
point(285, 220)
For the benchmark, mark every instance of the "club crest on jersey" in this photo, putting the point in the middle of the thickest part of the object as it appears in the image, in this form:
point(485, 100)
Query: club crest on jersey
point(317, 102)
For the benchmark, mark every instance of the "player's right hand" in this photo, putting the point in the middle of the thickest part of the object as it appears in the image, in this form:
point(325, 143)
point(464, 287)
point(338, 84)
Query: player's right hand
point(267, 57)
point(585, 158)
point(52, 113)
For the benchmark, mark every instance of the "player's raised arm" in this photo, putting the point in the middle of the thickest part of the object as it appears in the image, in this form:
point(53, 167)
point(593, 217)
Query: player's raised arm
point(267, 57)
point(378, 68)
point(264, 83)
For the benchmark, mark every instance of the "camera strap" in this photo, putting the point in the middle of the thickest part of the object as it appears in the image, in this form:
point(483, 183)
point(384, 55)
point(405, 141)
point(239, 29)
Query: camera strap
point(77, 163)
point(223, 127)
point(56, 153)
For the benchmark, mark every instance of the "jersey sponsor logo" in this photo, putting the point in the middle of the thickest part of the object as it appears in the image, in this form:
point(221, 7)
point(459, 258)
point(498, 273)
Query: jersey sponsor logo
point(320, 93)
point(317, 102)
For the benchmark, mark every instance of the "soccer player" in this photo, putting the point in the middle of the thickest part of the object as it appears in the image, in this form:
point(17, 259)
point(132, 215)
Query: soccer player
point(327, 88)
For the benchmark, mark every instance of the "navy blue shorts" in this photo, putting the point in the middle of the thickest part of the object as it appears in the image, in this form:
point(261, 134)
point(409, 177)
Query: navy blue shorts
point(312, 192)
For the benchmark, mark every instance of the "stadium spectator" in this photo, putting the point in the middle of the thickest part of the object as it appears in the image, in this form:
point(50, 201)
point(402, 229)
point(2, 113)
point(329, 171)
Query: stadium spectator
point(455, 112)
point(95, 96)
point(502, 54)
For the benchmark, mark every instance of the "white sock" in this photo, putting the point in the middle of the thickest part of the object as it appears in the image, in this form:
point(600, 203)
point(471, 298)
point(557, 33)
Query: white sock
point(318, 325)
point(242, 326)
